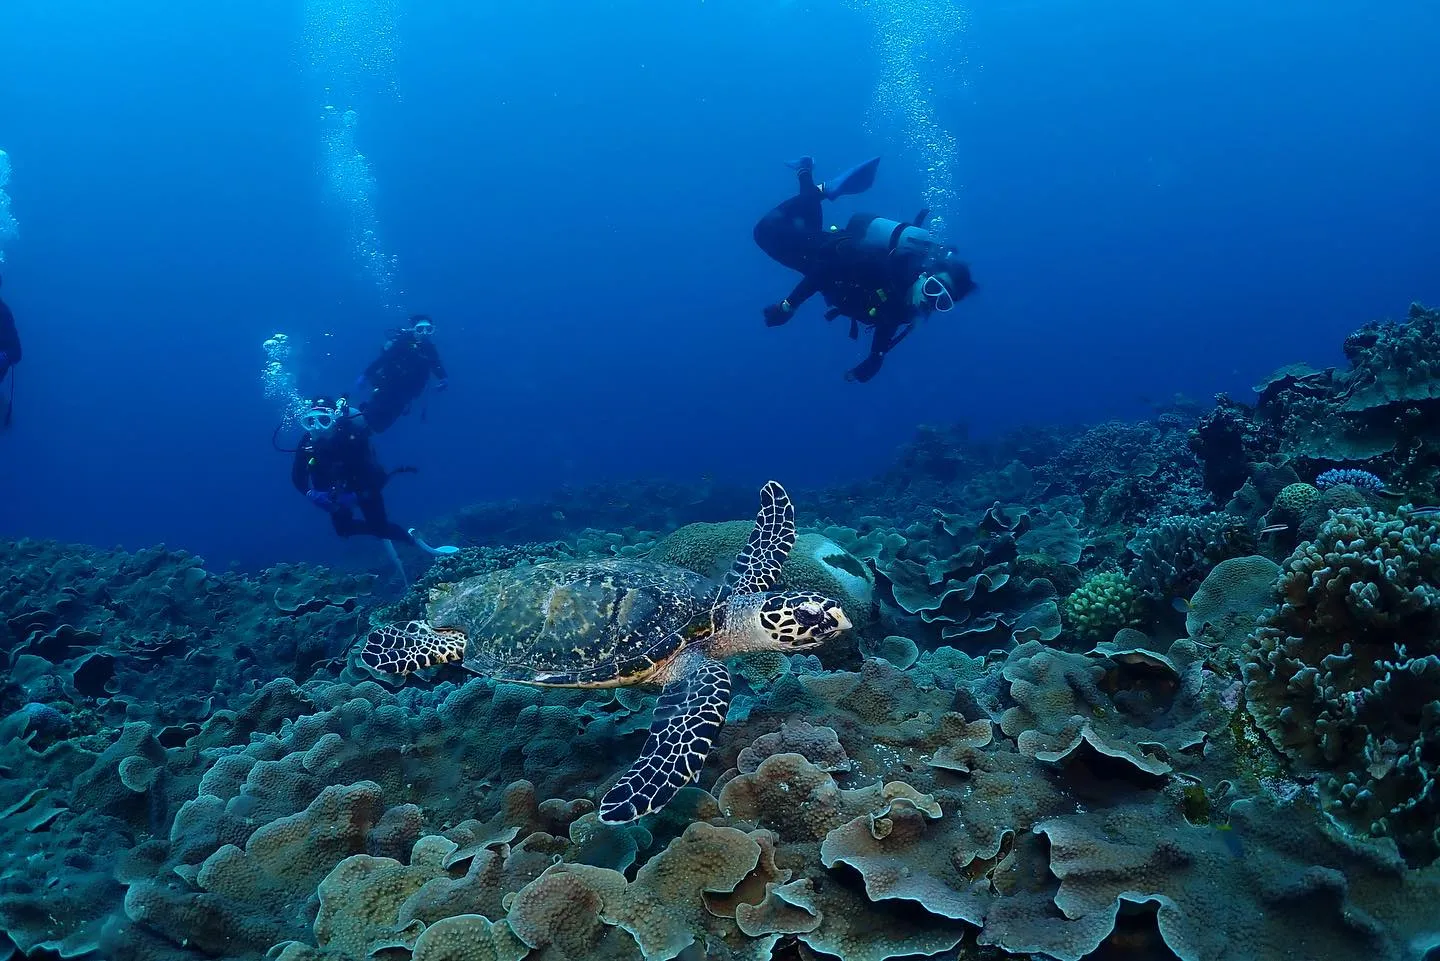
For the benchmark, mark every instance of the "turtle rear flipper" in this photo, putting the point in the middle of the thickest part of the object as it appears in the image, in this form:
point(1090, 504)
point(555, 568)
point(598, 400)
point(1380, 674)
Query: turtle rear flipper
point(403, 648)
point(687, 719)
point(757, 566)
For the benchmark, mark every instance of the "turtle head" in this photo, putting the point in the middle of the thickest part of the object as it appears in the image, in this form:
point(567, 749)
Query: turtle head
point(799, 620)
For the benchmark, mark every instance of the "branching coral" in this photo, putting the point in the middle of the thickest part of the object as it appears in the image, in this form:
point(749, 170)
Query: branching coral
point(1345, 674)
point(1173, 555)
point(1101, 606)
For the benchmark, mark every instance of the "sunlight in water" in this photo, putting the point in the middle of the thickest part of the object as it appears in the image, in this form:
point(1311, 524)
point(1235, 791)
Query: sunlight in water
point(351, 45)
point(9, 229)
point(923, 64)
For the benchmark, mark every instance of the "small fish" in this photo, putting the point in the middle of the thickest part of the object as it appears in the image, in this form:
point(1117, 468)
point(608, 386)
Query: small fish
point(1274, 529)
point(1231, 839)
point(1425, 511)
point(1181, 604)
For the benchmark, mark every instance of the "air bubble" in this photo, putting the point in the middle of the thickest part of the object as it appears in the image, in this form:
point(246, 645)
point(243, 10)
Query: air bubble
point(352, 46)
point(9, 227)
point(278, 379)
point(922, 60)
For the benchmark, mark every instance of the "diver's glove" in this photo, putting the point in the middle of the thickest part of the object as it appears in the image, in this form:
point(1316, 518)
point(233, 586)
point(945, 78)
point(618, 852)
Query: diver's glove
point(778, 314)
point(442, 383)
point(332, 501)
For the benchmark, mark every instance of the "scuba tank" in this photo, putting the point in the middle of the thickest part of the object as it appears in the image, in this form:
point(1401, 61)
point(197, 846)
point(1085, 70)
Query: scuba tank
point(907, 249)
point(909, 243)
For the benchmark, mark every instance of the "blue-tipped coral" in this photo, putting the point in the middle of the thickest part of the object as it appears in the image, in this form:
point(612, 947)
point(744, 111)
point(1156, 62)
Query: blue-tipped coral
point(1359, 479)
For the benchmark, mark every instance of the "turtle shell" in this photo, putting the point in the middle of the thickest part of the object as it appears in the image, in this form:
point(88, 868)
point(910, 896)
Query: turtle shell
point(577, 623)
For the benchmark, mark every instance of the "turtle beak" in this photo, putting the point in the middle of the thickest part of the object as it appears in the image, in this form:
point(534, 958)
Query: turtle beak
point(836, 623)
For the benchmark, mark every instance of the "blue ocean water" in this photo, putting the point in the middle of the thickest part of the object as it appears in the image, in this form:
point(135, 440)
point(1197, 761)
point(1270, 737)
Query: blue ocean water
point(1155, 198)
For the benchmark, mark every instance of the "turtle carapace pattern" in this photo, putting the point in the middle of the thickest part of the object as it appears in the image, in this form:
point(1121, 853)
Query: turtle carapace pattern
point(615, 622)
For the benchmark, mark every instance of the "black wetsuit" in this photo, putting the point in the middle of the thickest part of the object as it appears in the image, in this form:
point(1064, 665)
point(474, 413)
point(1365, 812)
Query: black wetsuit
point(397, 377)
point(869, 287)
point(345, 462)
point(9, 340)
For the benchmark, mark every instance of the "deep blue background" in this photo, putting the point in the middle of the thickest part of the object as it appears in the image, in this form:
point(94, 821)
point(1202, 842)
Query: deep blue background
point(1158, 197)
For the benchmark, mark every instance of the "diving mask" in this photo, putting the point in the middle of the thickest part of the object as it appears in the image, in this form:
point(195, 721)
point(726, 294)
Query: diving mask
point(423, 328)
point(934, 290)
point(319, 421)
point(321, 418)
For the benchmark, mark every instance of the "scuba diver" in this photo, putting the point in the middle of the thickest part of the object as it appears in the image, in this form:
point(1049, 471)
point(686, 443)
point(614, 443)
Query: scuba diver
point(399, 375)
point(9, 353)
point(881, 273)
point(336, 468)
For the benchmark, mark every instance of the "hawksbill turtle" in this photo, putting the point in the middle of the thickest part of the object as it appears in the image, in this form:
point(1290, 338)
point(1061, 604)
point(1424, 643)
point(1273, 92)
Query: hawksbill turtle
point(617, 622)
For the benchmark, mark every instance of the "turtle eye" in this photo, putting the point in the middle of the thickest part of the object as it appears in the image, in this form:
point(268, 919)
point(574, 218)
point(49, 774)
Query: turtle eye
point(810, 614)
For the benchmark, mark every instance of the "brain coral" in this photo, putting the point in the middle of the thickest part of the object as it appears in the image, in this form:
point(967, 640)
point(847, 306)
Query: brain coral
point(1236, 593)
point(815, 563)
point(1294, 500)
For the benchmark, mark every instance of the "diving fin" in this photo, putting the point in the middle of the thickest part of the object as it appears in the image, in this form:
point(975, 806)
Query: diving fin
point(856, 180)
point(444, 551)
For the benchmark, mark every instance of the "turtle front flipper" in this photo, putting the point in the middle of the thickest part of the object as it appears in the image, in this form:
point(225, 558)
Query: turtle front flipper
point(687, 720)
point(403, 648)
point(757, 566)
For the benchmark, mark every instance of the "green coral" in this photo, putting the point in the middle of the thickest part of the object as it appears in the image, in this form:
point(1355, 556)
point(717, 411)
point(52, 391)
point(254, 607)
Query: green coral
point(1101, 606)
point(816, 563)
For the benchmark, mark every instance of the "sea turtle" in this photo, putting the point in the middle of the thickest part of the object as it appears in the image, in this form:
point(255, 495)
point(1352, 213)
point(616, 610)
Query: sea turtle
point(616, 622)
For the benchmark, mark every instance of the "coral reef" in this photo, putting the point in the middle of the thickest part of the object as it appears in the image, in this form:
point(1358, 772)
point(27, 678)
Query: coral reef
point(1358, 479)
point(1130, 473)
point(104, 636)
point(1344, 675)
point(1378, 420)
point(1173, 555)
point(957, 579)
point(1021, 756)
point(1102, 606)
point(815, 563)
point(1230, 601)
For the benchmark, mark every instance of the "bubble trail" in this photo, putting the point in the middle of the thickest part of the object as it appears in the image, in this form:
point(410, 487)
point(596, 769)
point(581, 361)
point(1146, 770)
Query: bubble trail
point(922, 63)
point(9, 227)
